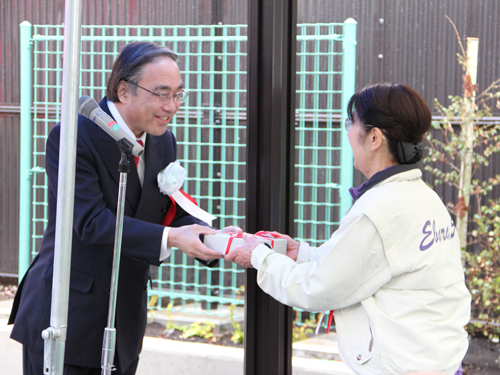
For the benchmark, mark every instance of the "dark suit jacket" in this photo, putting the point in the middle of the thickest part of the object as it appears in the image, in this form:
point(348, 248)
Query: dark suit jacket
point(96, 195)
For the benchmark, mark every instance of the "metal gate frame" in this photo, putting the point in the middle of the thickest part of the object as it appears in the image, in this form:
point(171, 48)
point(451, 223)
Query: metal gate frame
point(212, 130)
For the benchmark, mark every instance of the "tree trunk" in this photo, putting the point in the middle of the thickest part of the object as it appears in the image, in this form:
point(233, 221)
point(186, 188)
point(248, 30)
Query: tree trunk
point(467, 134)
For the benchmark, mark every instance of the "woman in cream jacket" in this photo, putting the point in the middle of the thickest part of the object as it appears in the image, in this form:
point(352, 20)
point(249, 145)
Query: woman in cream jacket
point(392, 271)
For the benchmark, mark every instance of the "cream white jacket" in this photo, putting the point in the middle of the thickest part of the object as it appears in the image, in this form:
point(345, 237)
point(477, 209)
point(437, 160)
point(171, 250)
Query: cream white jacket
point(392, 272)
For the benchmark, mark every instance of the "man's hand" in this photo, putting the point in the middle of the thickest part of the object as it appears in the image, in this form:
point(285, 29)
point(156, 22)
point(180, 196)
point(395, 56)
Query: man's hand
point(242, 255)
point(187, 238)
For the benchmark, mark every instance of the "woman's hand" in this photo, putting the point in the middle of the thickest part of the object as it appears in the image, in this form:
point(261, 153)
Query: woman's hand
point(231, 229)
point(292, 246)
point(242, 255)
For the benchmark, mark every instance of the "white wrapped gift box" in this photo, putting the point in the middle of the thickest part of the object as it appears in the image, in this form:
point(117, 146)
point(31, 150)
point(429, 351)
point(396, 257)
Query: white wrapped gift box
point(226, 242)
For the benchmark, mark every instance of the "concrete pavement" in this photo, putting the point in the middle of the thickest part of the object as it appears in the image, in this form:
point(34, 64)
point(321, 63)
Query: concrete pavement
point(315, 356)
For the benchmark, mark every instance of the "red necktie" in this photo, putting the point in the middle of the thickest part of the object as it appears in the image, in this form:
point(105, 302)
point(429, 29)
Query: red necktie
point(136, 158)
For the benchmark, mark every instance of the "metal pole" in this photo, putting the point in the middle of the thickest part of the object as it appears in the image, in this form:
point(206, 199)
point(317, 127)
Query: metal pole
point(109, 341)
point(217, 17)
point(272, 30)
point(25, 151)
point(55, 335)
point(348, 81)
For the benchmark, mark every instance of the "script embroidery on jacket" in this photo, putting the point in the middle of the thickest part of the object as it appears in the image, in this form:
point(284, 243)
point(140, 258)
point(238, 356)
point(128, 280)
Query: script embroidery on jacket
point(436, 234)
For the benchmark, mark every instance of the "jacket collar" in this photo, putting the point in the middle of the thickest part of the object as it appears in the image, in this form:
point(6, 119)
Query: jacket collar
point(379, 177)
point(110, 155)
point(150, 193)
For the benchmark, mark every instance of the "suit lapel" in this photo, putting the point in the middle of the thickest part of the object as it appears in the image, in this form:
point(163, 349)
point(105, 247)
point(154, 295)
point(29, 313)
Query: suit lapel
point(110, 155)
point(151, 196)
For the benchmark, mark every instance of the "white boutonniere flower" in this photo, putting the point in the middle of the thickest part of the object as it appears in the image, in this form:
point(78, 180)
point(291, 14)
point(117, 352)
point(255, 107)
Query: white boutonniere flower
point(170, 181)
point(171, 178)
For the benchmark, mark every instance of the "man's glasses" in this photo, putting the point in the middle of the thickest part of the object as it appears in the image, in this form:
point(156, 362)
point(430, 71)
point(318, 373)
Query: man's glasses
point(164, 97)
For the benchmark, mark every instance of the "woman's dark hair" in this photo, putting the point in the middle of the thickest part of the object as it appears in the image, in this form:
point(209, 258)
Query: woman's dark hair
point(128, 65)
point(396, 109)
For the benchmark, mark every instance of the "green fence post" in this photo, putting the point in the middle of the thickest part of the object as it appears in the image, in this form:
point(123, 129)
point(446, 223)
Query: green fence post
point(348, 81)
point(25, 151)
point(179, 282)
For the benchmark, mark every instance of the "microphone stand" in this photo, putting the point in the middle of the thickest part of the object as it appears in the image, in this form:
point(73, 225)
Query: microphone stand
point(109, 341)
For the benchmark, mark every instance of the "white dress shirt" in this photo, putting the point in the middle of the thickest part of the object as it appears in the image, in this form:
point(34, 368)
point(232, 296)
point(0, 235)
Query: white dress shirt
point(165, 250)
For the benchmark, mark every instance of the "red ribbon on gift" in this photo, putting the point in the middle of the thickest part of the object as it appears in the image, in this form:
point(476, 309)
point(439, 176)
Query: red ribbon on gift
point(263, 234)
point(267, 235)
point(232, 236)
point(172, 210)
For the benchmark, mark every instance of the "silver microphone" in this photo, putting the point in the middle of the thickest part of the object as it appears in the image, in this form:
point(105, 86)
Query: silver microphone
point(89, 108)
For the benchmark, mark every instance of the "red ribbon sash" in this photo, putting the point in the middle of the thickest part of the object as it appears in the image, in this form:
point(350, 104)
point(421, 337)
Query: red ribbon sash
point(172, 210)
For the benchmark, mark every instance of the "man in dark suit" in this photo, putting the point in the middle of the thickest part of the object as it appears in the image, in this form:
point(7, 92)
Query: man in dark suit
point(144, 92)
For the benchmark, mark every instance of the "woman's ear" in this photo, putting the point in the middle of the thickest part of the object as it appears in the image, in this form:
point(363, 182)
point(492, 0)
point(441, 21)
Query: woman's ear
point(376, 139)
point(123, 91)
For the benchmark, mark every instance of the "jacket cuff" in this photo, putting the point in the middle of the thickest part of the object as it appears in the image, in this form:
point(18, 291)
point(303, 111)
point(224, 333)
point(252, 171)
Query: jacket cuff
point(259, 254)
point(304, 252)
point(165, 250)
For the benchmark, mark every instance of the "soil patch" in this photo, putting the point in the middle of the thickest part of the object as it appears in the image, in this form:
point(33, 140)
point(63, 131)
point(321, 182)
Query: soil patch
point(158, 330)
point(482, 358)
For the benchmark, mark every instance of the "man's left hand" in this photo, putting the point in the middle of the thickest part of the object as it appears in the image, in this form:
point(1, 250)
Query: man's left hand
point(187, 239)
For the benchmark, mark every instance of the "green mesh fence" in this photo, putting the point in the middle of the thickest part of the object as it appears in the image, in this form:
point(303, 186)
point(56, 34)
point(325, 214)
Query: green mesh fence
point(211, 133)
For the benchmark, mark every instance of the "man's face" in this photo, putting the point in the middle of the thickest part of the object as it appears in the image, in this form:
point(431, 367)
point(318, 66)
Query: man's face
point(143, 112)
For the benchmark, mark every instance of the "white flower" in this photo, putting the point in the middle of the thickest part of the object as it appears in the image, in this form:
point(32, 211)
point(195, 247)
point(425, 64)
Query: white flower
point(171, 178)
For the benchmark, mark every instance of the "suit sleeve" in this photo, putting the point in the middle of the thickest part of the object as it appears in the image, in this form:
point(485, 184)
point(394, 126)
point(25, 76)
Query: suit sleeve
point(183, 218)
point(94, 223)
